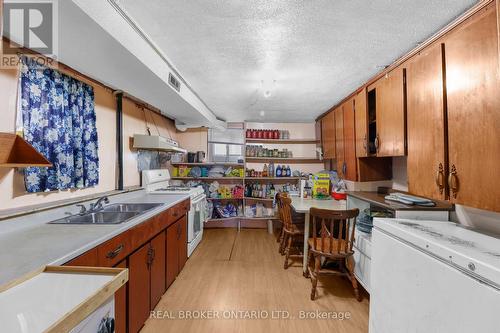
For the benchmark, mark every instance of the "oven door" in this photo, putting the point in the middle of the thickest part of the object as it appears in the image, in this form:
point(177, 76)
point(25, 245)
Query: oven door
point(196, 217)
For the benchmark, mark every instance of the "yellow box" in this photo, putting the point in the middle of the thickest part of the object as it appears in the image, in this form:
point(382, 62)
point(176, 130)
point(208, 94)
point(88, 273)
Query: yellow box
point(321, 185)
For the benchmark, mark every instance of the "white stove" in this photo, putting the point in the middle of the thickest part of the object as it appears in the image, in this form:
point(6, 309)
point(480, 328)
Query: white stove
point(158, 182)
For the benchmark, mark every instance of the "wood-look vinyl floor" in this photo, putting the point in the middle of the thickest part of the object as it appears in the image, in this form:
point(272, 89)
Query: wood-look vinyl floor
point(242, 271)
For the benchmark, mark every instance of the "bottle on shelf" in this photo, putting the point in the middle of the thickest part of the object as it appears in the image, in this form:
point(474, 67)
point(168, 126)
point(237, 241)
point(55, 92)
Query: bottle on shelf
point(264, 170)
point(270, 171)
point(288, 171)
point(272, 191)
point(278, 171)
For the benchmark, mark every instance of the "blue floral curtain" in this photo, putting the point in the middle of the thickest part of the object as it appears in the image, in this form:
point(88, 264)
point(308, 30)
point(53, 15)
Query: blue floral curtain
point(59, 120)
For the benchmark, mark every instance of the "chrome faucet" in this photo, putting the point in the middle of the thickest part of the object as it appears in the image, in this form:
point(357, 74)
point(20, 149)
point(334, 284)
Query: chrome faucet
point(83, 210)
point(98, 204)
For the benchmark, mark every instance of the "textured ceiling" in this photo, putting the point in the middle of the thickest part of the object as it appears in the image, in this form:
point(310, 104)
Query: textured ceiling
point(308, 54)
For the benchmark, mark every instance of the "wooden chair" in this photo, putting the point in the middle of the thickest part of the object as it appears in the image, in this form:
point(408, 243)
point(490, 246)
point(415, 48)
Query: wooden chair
point(291, 232)
point(332, 240)
point(297, 219)
point(281, 235)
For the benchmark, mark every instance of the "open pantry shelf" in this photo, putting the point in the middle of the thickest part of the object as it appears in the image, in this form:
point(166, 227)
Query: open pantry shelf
point(283, 141)
point(256, 179)
point(296, 160)
point(224, 199)
point(208, 178)
point(208, 164)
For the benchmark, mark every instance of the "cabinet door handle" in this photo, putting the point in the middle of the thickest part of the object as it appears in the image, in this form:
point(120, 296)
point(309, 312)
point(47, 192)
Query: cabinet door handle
point(344, 169)
point(150, 256)
point(453, 182)
point(115, 252)
point(175, 213)
point(377, 143)
point(440, 178)
point(365, 146)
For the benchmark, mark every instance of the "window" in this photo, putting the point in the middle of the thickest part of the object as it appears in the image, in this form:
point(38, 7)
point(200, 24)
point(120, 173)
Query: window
point(226, 145)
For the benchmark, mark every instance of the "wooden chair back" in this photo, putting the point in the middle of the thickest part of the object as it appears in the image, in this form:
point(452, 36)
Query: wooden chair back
point(333, 231)
point(286, 212)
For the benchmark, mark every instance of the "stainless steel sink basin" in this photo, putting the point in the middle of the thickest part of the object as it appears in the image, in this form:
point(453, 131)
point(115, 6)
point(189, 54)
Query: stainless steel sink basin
point(97, 218)
point(112, 214)
point(130, 207)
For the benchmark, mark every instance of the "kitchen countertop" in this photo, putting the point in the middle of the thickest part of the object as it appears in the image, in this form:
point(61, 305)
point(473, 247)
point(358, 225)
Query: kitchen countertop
point(301, 205)
point(28, 242)
point(379, 200)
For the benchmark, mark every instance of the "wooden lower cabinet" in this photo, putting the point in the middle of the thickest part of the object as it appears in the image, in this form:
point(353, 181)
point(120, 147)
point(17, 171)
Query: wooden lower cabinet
point(176, 249)
point(158, 278)
point(121, 304)
point(89, 259)
point(172, 258)
point(139, 288)
point(182, 242)
point(154, 251)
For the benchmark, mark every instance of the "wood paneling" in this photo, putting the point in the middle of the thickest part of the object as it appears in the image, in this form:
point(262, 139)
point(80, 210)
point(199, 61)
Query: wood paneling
point(121, 305)
point(426, 124)
point(339, 139)
point(328, 135)
point(472, 76)
point(361, 122)
point(139, 287)
point(158, 270)
point(351, 170)
point(390, 114)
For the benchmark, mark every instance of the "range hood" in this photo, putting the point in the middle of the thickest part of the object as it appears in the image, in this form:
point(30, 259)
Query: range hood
point(156, 142)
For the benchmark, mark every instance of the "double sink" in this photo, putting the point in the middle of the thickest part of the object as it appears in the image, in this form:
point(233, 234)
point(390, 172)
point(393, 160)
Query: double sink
point(111, 214)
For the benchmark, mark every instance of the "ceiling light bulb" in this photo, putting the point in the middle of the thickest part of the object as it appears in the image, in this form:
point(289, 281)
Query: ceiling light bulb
point(267, 93)
point(262, 113)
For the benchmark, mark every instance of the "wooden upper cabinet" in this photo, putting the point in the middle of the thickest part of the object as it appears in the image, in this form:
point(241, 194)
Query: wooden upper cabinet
point(390, 114)
point(350, 160)
point(472, 83)
point(361, 122)
point(328, 135)
point(426, 125)
point(339, 140)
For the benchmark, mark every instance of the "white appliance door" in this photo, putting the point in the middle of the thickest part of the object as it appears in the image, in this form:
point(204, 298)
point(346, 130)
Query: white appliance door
point(196, 217)
point(412, 292)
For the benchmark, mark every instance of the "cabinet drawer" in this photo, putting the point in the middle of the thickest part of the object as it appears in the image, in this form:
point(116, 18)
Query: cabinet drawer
point(141, 233)
point(177, 211)
point(114, 250)
point(89, 258)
